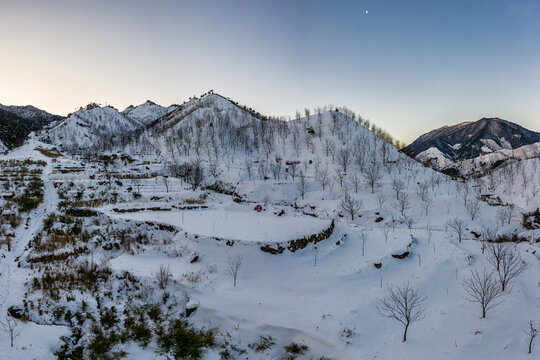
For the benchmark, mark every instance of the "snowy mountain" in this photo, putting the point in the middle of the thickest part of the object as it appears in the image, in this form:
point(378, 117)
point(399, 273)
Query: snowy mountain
point(473, 147)
point(16, 122)
point(93, 129)
point(32, 113)
point(147, 113)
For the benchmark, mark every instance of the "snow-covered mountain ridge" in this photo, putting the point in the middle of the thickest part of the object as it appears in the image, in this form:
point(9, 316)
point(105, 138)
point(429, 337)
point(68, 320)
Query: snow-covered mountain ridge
point(16, 123)
point(474, 147)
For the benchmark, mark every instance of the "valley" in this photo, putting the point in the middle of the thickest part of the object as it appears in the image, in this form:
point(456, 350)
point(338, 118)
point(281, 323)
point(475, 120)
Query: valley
point(206, 230)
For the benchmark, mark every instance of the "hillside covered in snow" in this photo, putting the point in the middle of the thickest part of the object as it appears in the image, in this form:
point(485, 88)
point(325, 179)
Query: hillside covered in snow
point(210, 231)
point(474, 147)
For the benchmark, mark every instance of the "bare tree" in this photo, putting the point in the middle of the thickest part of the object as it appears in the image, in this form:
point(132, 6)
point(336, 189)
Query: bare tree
point(531, 332)
point(302, 186)
point(385, 230)
point(344, 159)
point(11, 328)
point(426, 204)
point(349, 205)
point(323, 176)
point(488, 235)
point(339, 177)
point(496, 252)
point(473, 207)
point(423, 190)
point(484, 289)
point(511, 266)
point(403, 203)
point(163, 276)
point(505, 214)
point(458, 226)
point(364, 239)
point(137, 184)
point(293, 166)
point(381, 198)
point(372, 175)
point(165, 180)
point(233, 267)
point(398, 186)
point(276, 170)
point(262, 170)
point(403, 304)
point(248, 167)
point(501, 215)
point(329, 146)
point(315, 252)
point(196, 173)
point(354, 179)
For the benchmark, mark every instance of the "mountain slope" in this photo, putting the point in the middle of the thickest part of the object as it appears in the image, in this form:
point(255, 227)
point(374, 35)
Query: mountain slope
point(32, 113)
point(16, 122)
point(320, 291)
point(93, 129)
point(148, 112)
point(13, 130)
point(453, 149)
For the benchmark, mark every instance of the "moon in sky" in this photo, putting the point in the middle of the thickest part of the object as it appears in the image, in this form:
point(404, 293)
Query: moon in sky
point(366, 11)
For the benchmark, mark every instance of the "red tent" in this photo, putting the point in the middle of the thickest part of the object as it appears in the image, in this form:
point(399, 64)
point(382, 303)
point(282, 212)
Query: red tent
point(258, 208)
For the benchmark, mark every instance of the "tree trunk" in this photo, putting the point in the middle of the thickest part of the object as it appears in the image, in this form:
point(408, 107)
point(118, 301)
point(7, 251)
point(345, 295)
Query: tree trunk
point(405, 332)
point(530, 344)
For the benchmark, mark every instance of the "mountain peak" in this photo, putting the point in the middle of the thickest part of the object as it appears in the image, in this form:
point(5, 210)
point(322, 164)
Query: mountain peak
point(454, 144)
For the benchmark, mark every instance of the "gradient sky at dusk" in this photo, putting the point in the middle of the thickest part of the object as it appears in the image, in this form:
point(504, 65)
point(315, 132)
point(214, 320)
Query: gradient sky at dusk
point(408, 66)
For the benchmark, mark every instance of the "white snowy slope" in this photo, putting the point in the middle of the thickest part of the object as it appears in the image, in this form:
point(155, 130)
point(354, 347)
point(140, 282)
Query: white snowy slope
point(493, 154)
point(41, 340)
point(322, 295)
point(515, 182)
point(147, 112)
point(96, 129)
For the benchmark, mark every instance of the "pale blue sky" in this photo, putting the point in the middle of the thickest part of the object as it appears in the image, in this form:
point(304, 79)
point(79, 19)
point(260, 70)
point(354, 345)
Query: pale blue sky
point(408, 66)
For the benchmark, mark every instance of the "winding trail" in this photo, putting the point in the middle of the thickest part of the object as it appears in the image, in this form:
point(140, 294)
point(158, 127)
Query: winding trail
point(11, 276)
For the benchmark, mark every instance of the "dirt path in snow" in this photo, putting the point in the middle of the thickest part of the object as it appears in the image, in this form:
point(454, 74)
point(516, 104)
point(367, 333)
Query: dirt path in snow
point(9, 288)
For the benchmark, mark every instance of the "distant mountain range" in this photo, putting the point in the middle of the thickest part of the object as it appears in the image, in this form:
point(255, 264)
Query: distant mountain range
point(16, 122)
point(463, 149)
point(472, 147)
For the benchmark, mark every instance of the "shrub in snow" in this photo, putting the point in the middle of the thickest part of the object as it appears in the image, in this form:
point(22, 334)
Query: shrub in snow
point(184, 342)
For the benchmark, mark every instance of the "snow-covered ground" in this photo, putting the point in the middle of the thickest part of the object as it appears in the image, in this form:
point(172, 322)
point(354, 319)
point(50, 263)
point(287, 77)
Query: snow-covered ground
point(40, 340)
point(238, 222)
point(323, 295)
